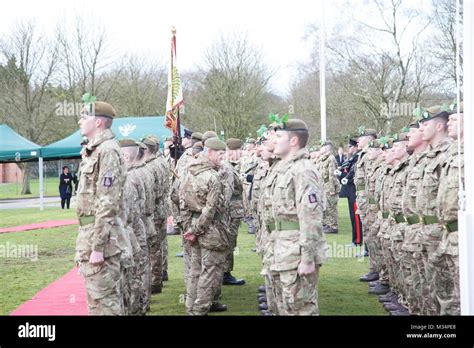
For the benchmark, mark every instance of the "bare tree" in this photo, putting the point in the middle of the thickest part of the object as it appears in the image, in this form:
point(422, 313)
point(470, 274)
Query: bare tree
point(84, 55)
point(231, 87)
point(26, 85)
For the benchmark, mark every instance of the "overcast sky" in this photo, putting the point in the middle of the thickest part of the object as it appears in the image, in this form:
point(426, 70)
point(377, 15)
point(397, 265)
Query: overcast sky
point(143, 26)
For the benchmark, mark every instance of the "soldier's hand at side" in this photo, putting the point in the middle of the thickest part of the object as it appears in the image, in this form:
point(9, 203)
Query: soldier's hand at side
point(344, 181)
point(189, 237)
point(306, 268)
point(97, 257)
point(337, 172)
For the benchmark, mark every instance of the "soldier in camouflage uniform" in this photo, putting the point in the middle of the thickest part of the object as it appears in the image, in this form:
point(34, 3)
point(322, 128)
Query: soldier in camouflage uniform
point(134, 203)
point(400, 273)
point(203, 200)
point(181, 171)
point(159, 225)
point(265, 245)
point(433, 126)
point(411, 248)
point(299, 245)
point(327, 167)
point(148, 213)
point(382, 185)
point(230, 167)
point(360, 174)
point(447, 254)
point(248, 165)
point(374, 169)
point(101, 239)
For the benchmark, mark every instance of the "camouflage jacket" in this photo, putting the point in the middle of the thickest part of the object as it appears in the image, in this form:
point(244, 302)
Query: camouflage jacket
point(327, 166)
point(416, 166)
point(102, 175)
point(202, 200)
point(447, 198)
point(397, 186)
point(232, 189)
point(298, 196)
point(426, 202)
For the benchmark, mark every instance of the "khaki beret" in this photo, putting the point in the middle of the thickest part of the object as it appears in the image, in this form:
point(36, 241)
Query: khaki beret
point(103, 109)
point(127, 142)
point(400, 137)
point(454, 109)
point(196, 135)
point(374, 144)
point(434, 111)
point(234, 144)
point(208, 135)
point(215, 144)
point(141, 145)
point(149, 140)
point(198, 147)
point(325, 142)
point(363, 132)
point(294, 125)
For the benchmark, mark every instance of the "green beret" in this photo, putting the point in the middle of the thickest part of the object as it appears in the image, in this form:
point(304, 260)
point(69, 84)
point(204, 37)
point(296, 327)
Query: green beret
point(434, 111)
point(294, 125)
point(234, 144)
point(127, 142)
point(208, 135)
point(215, 144)
point(385, 143)
point(363, 132)
point(196, 135)
point(101, 109)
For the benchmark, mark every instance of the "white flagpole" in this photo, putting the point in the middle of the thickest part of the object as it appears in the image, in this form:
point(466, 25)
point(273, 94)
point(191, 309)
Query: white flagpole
point(466, 217)
point(322, 71)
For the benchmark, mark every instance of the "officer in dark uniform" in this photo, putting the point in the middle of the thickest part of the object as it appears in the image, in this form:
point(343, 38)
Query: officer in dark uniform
point(345, 174)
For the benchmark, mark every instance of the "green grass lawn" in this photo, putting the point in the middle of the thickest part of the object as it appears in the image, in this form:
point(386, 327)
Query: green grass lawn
point(340, 291)
point(13, 190)
point(16, 217)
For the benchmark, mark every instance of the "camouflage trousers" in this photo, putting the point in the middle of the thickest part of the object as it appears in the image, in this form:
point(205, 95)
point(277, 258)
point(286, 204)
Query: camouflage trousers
point(410, 248)
point(271, 295)
point(382, 247)
point(140, 282)
point(330, 215)
point(156, 255)
point(164, 252)
point(205, 279)
point(447, 282)
point(431, 238)
point(187, 251)
point(103, 286)
point(399, 273)
point(233, 233)
point(370, 229)
point(296, 294)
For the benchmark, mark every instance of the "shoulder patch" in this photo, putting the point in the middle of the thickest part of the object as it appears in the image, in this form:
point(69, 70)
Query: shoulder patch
point(312, 195)
point(108, 178)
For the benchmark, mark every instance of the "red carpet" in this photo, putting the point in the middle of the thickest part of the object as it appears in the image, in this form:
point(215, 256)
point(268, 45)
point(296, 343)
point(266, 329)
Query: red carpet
point(39, 225)
point(65, 296)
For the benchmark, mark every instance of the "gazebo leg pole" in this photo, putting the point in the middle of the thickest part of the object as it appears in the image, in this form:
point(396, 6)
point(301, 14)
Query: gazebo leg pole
point(41, 183)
